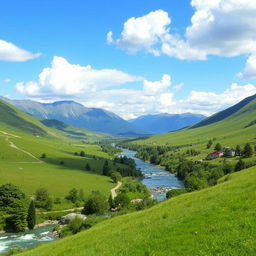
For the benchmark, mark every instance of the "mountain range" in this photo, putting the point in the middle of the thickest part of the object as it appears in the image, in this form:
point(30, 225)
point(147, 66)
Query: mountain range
point(100, 120)
point(162, 123)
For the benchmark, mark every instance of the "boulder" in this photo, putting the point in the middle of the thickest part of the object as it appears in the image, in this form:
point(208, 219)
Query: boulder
point(69, 217)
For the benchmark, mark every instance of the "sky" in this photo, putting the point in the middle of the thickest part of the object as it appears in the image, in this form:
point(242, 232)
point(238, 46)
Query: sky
point(130, 57)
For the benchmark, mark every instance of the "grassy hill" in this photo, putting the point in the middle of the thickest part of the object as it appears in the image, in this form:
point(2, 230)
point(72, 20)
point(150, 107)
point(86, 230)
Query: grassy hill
point(235, 129)
point(216, 221)
point(23, 140)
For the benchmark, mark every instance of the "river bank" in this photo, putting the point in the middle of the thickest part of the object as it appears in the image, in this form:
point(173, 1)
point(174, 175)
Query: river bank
point(156, 178)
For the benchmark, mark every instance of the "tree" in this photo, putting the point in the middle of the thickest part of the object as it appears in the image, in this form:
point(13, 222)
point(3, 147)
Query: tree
point(42, 199)
point(43, 155)
point(240, 165)
point(18, 220)
point(218, 147)
point(95, 204)
point(82, 153)
point(111, 202)
point(76, 225)
point(31, 217)
point(194, 183)
point(9, 195)
point(209, 144)
point(106, 169)
point(238, 150)
point(122, 200)
point(87, 167)
point(115, 176)
point(248, 151)
point(73, 195)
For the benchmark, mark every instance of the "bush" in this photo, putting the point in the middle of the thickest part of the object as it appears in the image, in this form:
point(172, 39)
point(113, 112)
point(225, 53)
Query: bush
point(95, 204)
point(175, 192)
point(76, 225)
point(42, 199)
point(115, 176)
point(122, 200)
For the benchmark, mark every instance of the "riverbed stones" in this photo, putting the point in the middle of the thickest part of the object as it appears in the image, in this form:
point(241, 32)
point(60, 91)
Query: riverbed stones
point(69, 217)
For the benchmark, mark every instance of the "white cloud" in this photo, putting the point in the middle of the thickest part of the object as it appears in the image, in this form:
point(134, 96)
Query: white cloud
point(11, 52)
point(218, 27)
point(249, 71)
point(143, 33)
point(65, 79)
point(100, 88)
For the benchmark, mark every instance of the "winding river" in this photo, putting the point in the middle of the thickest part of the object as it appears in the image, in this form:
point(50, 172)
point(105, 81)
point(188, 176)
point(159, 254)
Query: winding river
point(156, 178)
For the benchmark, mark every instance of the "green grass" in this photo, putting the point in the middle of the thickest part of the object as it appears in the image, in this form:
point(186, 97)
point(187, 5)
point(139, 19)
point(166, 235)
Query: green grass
point(29, 174)
point(218, 221)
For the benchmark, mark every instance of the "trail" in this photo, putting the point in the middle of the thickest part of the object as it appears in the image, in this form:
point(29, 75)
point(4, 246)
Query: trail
point(66, 210)
point(113, 190)
point(12, 145)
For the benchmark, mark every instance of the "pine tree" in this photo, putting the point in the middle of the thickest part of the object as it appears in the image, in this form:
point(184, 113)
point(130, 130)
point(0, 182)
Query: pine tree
point(238, 150)
point(31, 218)
point(248, 151)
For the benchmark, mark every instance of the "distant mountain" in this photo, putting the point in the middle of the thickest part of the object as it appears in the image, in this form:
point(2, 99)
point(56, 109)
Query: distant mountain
point(75, 114)
point(225, 113)
point(162, 123)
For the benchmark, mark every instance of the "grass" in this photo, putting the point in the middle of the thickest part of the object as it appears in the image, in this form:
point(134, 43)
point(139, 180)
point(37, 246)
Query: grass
point(218, 221)
point(29, 174)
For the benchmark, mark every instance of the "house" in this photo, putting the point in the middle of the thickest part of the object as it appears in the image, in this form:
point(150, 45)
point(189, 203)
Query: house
point(215, 154)
point(229, 152)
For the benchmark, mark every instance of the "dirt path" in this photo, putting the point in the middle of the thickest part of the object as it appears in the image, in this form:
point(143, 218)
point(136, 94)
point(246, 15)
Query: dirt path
point(66, 210)
point(113, 190)
point(12, 145)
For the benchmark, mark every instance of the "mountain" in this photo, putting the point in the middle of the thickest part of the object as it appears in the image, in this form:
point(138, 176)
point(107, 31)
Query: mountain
point(162, 123)
point(14, 119)
point(225, 113)
point(75, 114)
point(235, 125)
point(216, 221)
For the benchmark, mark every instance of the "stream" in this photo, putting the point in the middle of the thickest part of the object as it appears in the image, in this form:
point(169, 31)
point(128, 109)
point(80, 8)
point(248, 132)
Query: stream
point(156, 178)
point(27, 239)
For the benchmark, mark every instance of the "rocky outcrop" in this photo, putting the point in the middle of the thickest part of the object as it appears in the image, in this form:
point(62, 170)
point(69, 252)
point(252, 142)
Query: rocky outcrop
point(69, 217)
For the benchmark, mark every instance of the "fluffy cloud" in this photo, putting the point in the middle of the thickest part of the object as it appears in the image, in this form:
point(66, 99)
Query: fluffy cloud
point(63, 79)
point(143, 33)
point(218, 27)
point(101, 88)
point(11, 52)
point(249, 71)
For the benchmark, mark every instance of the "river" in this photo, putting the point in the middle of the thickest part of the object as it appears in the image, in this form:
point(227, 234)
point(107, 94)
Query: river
point(26, 239)
point(156, 178)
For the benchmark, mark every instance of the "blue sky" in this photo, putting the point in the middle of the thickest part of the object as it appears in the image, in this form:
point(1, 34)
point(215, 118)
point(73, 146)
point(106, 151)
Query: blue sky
point(207, 60)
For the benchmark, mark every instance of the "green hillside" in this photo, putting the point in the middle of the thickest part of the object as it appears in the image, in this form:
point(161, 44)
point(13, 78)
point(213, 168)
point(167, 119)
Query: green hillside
point(24, 139)
point(216, 221)
point(232, 130)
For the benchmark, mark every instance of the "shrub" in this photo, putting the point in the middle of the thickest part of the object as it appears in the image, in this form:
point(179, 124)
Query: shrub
point(42, 199)
point(95, 204)
point(175, 192)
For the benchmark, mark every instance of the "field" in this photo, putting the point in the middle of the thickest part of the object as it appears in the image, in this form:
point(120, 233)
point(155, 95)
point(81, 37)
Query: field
point(216, 221)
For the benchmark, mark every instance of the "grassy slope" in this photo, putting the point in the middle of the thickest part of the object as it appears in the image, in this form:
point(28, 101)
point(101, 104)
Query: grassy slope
point(26, 172)
point(229, 132)
point(216, 221)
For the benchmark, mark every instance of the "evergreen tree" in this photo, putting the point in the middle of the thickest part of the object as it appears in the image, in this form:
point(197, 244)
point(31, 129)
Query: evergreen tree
point(106, 169)
point(240, 165)
point(18, 220)
point(31, 218)
point(238, 150)
point(209, 144)
point(87, 167)
point(218, 147)
point(82, 153)
point(248, 151)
